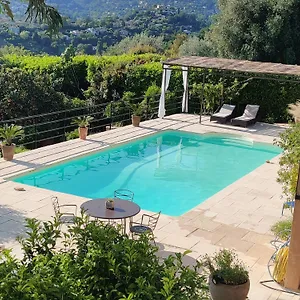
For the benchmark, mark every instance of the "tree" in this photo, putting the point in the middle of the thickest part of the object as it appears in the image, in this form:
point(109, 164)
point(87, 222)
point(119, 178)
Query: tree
point(37, 11)
point(20, 51)
point(264, 30)
point(24, 34)
point(139, 43)
point(195, 46)
point(174, 48)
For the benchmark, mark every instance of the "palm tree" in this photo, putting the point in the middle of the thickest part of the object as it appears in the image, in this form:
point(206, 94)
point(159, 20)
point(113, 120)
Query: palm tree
point(83, 121)
point(37, 11)
point(9, 132)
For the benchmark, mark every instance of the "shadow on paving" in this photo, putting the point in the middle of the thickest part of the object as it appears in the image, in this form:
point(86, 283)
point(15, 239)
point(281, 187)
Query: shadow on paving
point(164, 253)
point(12, 224)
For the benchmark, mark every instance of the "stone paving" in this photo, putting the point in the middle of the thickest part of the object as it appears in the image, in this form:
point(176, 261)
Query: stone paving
point(238, 217)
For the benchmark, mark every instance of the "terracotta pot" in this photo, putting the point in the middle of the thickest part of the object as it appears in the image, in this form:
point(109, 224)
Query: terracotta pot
point(222, 291)
point(8, 151)
point(83, 131)
point(135, 120)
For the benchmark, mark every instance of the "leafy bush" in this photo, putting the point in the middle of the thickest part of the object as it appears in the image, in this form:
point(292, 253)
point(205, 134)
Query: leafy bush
point(151, 99)
point(23, 94)
point(225, 268)
point(72, 135)
point(95, 262)
point(20, 149)
point(289, 141)
point(282, 229)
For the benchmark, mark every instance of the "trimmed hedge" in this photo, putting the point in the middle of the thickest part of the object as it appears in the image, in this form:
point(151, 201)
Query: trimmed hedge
point(101, 79)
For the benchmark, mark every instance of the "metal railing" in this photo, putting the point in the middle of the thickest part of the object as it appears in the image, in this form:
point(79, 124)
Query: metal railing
point(54, 127)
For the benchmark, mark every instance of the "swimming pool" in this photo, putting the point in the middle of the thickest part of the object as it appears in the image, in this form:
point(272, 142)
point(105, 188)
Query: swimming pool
point(171, 171)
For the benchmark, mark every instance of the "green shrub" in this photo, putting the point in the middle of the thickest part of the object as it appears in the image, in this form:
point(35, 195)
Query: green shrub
point(95, 262)
point(282, 229)
point(226, 268)
point(72, 135)
point(20, 149)
point(151, 99)
point(25, 94)
point(289, 141)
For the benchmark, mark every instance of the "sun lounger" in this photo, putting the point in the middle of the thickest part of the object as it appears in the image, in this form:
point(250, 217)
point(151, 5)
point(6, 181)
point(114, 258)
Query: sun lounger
point(224, 115)
point(249, 116)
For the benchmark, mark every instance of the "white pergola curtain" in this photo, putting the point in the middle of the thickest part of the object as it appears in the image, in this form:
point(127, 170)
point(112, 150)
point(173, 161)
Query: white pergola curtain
point(185, 98)
point(164, 87)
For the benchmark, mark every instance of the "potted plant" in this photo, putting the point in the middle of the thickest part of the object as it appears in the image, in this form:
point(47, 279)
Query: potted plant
point(83, 123)
point(229, 278)
point(8, 133)
point(137, 112)
point(110, 204)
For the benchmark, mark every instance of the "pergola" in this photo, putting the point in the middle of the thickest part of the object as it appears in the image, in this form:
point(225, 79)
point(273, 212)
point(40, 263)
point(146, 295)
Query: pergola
point(260, 70)
point(244, 68)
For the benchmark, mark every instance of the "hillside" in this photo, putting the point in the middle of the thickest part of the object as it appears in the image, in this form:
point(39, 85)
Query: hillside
point(98, 8)
point(96, 35)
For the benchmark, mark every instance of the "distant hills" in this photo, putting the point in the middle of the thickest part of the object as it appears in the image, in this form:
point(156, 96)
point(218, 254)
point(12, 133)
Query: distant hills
point(98, 8)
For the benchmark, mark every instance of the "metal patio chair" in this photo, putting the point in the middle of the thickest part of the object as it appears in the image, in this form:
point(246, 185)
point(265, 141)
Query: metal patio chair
point(147, 225)
point(124, 194)
point(288, 204)
point(64, 217)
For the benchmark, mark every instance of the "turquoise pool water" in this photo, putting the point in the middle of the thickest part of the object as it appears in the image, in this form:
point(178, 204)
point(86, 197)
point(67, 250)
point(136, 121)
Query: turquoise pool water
point(171, 171)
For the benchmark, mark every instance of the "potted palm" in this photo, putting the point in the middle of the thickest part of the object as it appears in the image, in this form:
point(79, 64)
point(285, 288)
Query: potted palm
point(229, 278)
point(8, 133)
point(137, 112)
point(83, 123)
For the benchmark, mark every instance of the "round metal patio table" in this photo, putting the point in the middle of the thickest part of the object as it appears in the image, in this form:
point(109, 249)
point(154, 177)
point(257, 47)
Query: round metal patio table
point(123, 209)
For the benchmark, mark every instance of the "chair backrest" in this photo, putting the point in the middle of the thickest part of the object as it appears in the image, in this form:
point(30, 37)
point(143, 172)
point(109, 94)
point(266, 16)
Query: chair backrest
point(251, 111)
point(227, 109)
point(124, 194)
point(152, 220)
point(55, 205)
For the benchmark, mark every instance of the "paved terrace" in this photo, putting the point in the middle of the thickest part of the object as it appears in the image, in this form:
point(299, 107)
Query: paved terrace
point(239, 216)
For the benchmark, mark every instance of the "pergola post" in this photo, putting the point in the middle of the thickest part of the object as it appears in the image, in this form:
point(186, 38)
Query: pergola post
point(202, 97)
point(185, 97)
point(292, 279)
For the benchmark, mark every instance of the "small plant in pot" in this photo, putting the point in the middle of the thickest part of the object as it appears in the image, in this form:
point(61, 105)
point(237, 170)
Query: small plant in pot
point(8, 133)
point(137, 112)
point(83, 123)
point(229, 278)
point(110, 204)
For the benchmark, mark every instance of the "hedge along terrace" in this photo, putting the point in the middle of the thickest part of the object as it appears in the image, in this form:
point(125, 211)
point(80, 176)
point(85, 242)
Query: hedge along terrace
point(32, 85)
